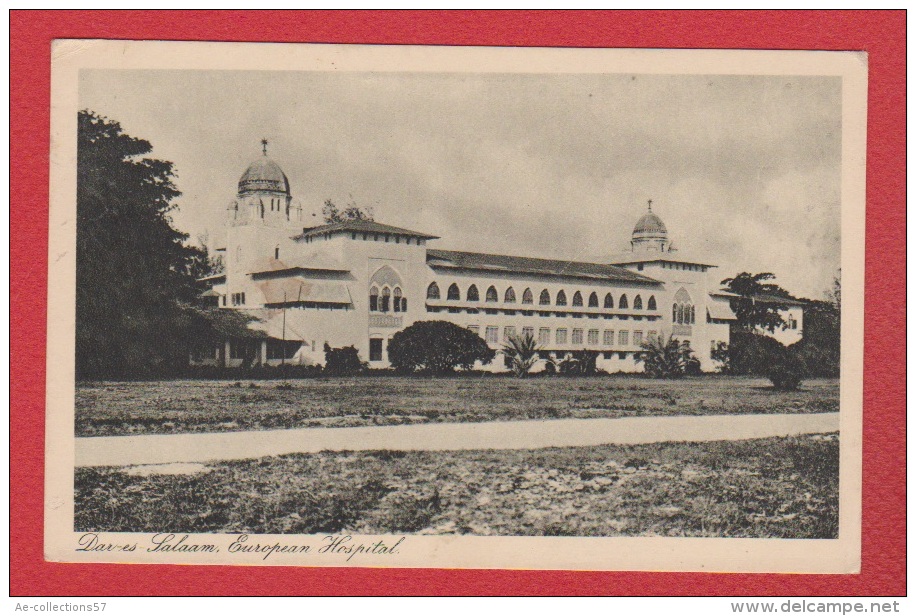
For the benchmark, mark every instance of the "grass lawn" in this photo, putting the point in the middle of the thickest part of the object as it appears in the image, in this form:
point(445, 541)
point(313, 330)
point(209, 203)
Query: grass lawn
point(113, 408)
point(776, 487)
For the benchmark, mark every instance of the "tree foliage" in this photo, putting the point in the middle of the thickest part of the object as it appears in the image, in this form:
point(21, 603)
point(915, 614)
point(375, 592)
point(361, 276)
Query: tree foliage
point(438, 347)
point(333, 214)
point(134, 271)
point(522, 354)
point(819, 348)
point(667, 358)
point(750, 312)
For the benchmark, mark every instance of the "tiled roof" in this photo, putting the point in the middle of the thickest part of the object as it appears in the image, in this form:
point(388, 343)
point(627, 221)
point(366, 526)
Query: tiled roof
point(776, 299)
point(657, 257)
point(361, 226)
point(528, 265)
point(314, 261)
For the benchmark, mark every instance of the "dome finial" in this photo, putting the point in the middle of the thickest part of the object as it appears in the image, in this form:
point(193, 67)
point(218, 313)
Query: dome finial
point(264, 147)
point(650, 205)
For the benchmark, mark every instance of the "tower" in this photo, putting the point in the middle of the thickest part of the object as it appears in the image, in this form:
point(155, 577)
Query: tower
point(263, 195)
point(650, 234)
point(261, 219)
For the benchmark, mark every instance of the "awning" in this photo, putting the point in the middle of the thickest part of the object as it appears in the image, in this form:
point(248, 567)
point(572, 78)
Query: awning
point(720, 308)
point(299, 289)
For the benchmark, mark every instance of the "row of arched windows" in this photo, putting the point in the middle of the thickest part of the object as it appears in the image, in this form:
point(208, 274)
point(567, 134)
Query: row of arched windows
point(389, 300)
point(683, 314)
point(509, 297)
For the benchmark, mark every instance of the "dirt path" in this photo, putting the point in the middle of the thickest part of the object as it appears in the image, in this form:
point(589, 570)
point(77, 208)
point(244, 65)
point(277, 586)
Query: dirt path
point(160, 449)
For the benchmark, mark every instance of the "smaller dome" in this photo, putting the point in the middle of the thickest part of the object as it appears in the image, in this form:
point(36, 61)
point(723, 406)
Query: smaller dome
point(650, 224)
point(263, 175)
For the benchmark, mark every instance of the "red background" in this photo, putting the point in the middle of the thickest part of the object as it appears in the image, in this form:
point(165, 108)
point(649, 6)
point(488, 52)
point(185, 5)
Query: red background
point(881, 34)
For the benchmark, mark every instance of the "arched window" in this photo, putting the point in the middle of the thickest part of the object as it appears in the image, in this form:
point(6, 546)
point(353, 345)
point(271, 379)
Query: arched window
point(473, 295)
point(373, 299)
point(561, 298)
point(432, 291)
point(453, 293)
point(674, 313)
point(593, 300)
point(509, 297)
point(608, 301)
point(577, 299)
point(386, 300)
point(397, 299)
point(544, 299)
point(492, 295)
point(651, 304)
point(623, 304)
point(527, 297)
point(684, 311)
point(637, 303)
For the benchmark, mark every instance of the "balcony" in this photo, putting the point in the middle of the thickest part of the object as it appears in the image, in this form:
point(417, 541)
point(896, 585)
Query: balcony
point(385, 321)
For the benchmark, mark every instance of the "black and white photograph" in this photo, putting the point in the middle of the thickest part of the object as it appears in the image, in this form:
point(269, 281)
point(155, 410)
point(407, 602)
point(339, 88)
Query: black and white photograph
point(353, 306)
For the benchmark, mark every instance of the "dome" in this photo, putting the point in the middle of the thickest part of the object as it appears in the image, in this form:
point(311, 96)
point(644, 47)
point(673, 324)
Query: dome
point(264, 175)
point(649, 224)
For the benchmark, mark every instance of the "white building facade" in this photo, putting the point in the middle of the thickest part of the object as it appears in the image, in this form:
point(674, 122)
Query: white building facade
point(359, 283)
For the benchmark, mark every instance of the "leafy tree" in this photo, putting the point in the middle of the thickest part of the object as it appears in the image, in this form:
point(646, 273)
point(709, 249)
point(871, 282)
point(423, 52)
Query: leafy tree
point(667, 358)
point(134, 271)
point(333, 214)
point(344, 361)
point(819, 348)
point(438, 347)
point(522, 353)
point(751, 313)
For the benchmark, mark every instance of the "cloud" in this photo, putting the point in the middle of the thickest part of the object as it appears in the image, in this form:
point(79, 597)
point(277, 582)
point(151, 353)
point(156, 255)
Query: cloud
point(743, 169)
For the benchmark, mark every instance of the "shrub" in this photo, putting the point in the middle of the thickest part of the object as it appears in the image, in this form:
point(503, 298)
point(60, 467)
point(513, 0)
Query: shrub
point(438, 347)
point(521, 353)
point(667, 359)
point(786, 372)
point(343, 361)
point(753, 354)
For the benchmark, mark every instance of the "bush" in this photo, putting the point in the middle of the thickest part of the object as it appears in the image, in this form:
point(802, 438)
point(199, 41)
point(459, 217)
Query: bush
point(753, 354)
point(786, 372)
point(668, 359)
point(438, 347)
point(343, 361)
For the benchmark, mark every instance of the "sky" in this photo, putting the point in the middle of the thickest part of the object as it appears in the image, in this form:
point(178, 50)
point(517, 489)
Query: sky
point(743, 170)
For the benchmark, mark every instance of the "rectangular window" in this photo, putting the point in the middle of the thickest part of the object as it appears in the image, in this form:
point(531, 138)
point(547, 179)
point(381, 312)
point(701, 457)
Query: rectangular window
point(608, 337)
point(508, 332)
point(653, 335)
point(561, 336)
point(492, 333)
point(375, 349)
point(474, 328)
point(593, 336)
point(637, 338)
point(528, 331)
point(544, 335)
point(577, 336)
point(623, 338)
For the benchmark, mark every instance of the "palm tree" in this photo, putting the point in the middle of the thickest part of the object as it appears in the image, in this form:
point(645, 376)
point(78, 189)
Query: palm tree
point(522, 354)
point(666, 359)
